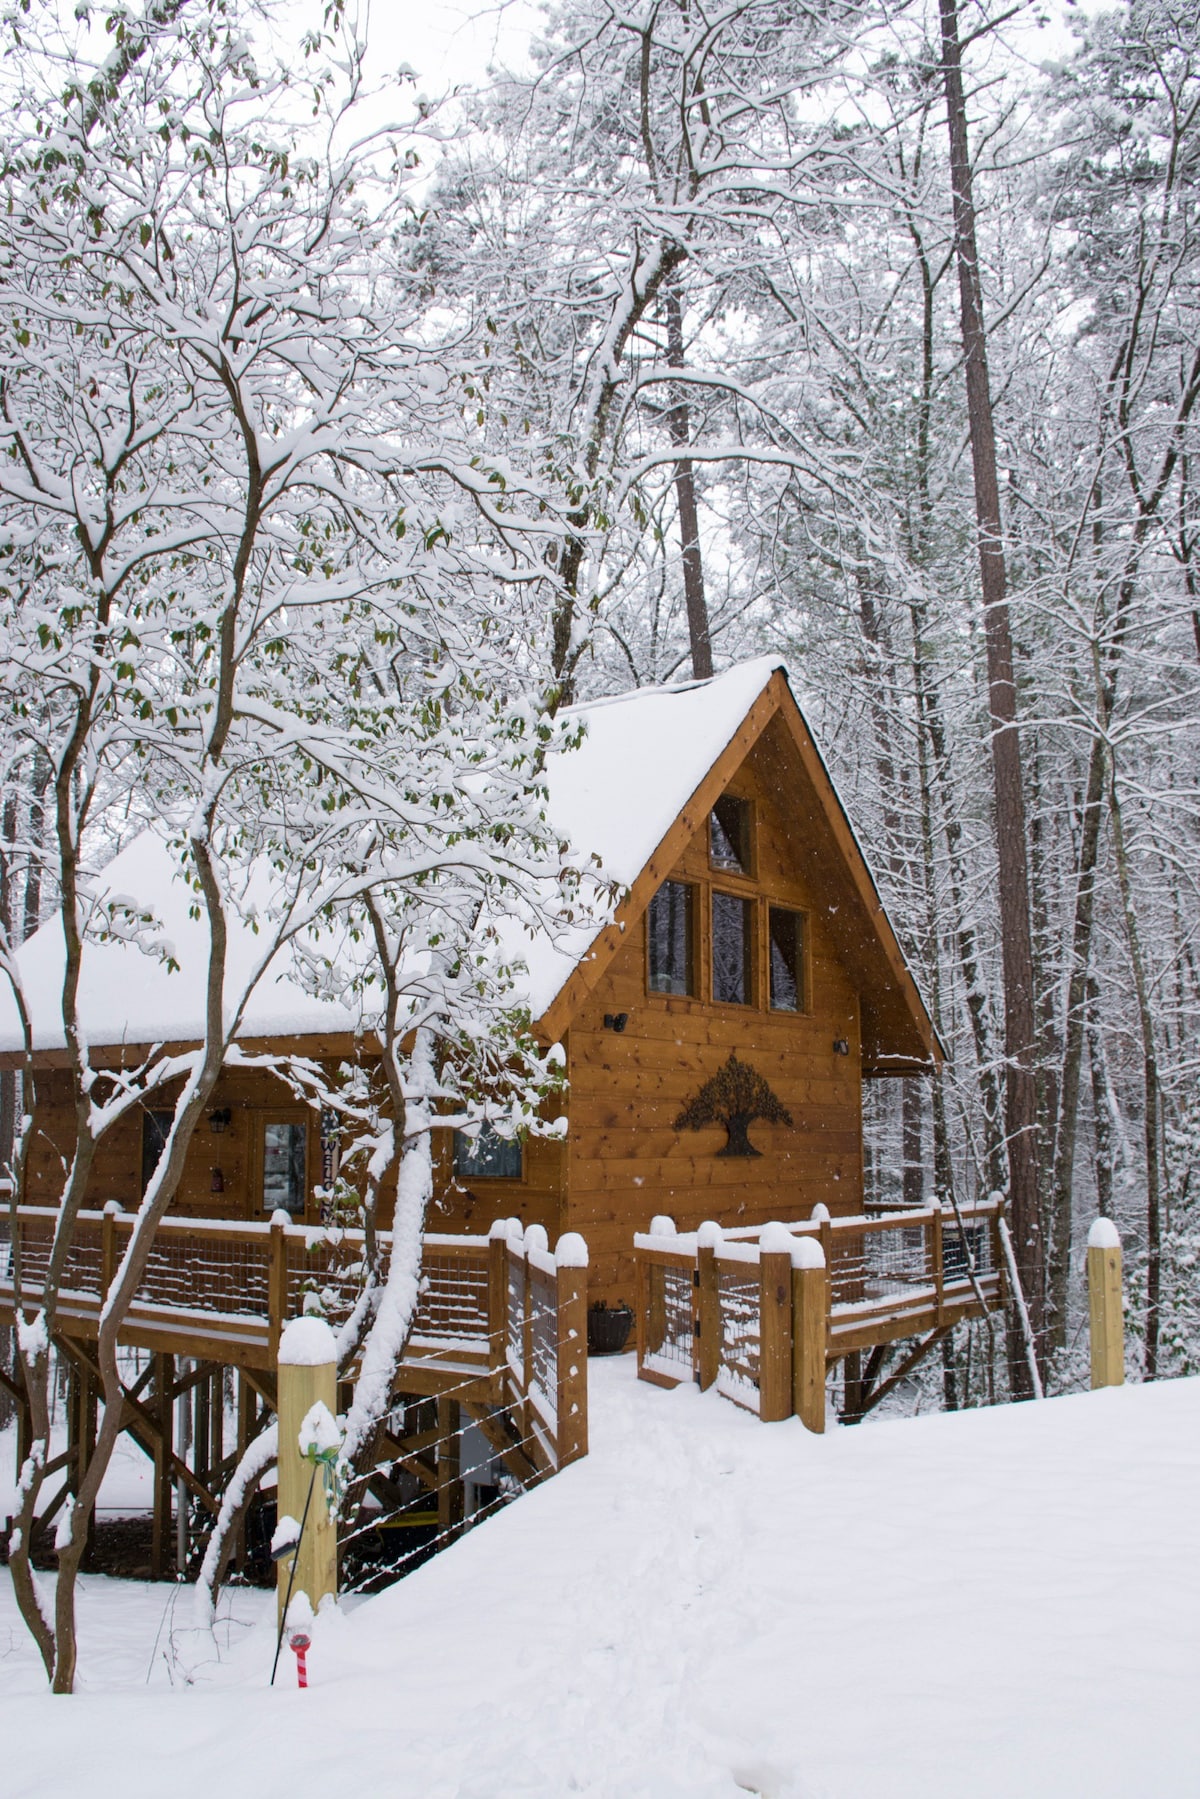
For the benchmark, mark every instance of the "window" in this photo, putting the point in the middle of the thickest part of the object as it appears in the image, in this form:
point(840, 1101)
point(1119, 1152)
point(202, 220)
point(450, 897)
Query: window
point(787, 960)
point(670, 933)
point(732, 950)
point(487, 1157)
point(156, 1127)
point(283, 1177)
point(729, 835)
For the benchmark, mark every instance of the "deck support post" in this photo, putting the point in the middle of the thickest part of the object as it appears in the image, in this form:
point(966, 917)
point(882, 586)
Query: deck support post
point(810, 1312)
point(571, 1358)
point(775, 1324)
point(1105, 1307)
point(160, 1536)
point(307, 1377)
point(852, 1387)
point(246, 1410)
point(450, 1496)
point(708, 1306)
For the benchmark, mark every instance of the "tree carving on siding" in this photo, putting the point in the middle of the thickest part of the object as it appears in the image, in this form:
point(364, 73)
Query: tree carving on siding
point(735, 1096)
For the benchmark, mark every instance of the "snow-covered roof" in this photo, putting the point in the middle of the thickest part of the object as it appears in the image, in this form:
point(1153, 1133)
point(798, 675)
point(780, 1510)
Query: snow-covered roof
point(616, 797)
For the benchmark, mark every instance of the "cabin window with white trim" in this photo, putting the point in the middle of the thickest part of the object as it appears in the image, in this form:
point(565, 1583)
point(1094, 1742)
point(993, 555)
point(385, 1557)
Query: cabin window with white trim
point(732, 949)
point(489, 1156)
point(786, 930)
point(670, 929)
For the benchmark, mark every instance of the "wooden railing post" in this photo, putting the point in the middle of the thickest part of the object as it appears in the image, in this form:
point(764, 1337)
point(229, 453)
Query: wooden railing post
point(810, 1323)
point(108, 1248)
point(307, 1372)
point(656, 1299)
point(571, 1402)
point(276, 1281)
point(498, 1293)
point(1105, 1312)
point(708, 1305)
point(534, 1238)
point(774, 1323)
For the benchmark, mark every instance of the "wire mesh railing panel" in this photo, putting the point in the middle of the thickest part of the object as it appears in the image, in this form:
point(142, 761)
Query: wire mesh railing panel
point(514, 1331)
point(453, 1303)
point(869, 1266)
point(543, 1337)
point(741, 1349)
point(84, 1269)
point(670, 1326)
point(966, 1249)
point(198, 1272)
point(37, 1241)
point(325, 1273)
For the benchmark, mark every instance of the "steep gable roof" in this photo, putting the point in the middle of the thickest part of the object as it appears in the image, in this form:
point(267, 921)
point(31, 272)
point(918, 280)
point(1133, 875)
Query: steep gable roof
point(651, 764)
point(685, 744)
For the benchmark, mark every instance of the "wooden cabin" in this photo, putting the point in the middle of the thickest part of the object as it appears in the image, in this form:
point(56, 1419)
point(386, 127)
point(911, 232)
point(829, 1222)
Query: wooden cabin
point(717, 1032)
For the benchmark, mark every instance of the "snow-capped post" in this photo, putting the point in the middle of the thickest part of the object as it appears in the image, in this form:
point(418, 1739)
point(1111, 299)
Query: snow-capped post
point(708, 1304)
point(1105, 1305)
point(571, 1411)
point(308, 1440)
point(774, 1323)
point(652, 1305)
point(498, 1291)
point(810, 1309)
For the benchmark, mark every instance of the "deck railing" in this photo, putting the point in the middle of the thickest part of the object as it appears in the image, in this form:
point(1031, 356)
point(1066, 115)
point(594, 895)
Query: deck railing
point(723, 1307)
point(500, 1310)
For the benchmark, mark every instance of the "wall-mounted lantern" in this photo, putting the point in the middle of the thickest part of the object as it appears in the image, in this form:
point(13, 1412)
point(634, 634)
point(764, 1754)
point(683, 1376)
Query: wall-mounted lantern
point(219, 1120)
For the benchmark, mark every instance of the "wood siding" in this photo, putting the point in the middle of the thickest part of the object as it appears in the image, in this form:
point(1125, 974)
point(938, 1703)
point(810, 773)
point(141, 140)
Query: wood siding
point(627, 1161)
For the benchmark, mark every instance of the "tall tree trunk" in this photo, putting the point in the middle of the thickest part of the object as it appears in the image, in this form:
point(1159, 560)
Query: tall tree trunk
point(1016, 936)
point(1102, 1127)
point(1149, 1080)
point(679, 423)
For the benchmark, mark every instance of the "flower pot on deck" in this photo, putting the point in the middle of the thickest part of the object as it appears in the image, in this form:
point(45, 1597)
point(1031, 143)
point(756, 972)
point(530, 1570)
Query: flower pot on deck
point(608, 1328)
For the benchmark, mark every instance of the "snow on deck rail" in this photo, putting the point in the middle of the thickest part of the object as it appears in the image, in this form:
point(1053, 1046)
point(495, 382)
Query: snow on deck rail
point(502, 1305)
point(714, 1308)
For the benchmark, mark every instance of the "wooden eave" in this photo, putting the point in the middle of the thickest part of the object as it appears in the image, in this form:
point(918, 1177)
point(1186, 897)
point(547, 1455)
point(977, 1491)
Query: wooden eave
point(325, 1046)
point(897, 1032)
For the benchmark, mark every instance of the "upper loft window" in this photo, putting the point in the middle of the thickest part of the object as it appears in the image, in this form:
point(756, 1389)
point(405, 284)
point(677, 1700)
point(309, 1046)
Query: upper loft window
point(670, 929)
point(787, 960)
point(730, 843)
point(488, 1156)
point(732, 950)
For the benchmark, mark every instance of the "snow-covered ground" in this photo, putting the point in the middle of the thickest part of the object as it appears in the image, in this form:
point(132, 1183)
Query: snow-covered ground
point(956, 1607)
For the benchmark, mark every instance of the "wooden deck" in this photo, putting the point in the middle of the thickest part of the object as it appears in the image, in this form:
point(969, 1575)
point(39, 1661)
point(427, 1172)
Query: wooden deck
point(499, 1340)
point(707, 1312)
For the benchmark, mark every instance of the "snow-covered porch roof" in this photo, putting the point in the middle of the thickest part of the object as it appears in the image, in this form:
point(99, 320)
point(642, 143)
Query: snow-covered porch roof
point(649, 767)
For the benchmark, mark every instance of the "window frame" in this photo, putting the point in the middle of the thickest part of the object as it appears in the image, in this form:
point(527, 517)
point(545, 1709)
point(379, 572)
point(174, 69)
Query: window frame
point(751, 905)
point(264, 1116)
point(462, 1175)
point(722, 870)
point(803, 1006)
point(694, 963)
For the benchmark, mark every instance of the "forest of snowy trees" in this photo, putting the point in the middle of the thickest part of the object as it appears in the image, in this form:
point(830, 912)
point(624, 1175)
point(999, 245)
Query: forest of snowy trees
point(345, 438)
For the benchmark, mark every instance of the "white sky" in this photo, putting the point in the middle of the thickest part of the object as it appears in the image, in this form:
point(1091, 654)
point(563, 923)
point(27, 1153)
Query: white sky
point(449, 42)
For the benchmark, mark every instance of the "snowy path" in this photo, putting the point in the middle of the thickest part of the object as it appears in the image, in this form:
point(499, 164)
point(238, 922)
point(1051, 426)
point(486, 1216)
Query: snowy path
point(995, 1603)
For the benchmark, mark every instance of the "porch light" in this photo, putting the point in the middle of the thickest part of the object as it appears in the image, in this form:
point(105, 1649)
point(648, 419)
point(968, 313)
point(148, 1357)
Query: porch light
point(219, 1120)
